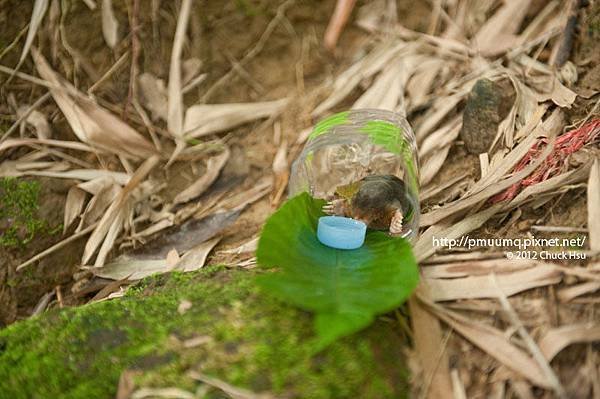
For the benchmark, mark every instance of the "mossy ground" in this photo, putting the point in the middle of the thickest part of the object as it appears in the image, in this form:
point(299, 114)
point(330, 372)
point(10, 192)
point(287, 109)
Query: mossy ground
point(19, 222)
point(255, 342)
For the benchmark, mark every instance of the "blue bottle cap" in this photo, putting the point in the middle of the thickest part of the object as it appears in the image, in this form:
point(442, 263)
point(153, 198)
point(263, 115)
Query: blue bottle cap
point(340, 232)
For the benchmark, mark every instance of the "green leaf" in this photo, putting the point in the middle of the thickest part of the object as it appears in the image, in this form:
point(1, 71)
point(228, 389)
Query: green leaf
point(345, 288)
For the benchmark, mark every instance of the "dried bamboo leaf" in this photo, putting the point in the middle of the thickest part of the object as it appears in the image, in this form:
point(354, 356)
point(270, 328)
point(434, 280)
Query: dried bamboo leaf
point(175, 107)
point(95, 186)
point(131, 269)
point(232, 391)
point(37, 15)
point(38, 121)
point(154, 95)
point(559, 338)
point(73, 206)
point(566, 294)
point(172, 258)
point(480, 286)
point(498, 33)
point(213, 169)
point(441, 137)
point(152, 258)
point(245, 198)
point(436, 113)
point(113, 232)
point(366, 67)
point(429, 347)
point(249, 246)
point(593, 206)
point(432, 164)
point(171, 392)
point(186, 236)
point(203, 119)
point(559, 183)
point(559, 93)
point(477, 268)
point(98, 204)
point(83, 174)
point(424, 248)
point(91, 123)
point(114, 212)
point(110, 25)
point(435, 148)
point(91, 4)
point(74, 145)
point(196, 257)
point(494, 343)
point(387, 91)
point(420, 84)
point(528, 341)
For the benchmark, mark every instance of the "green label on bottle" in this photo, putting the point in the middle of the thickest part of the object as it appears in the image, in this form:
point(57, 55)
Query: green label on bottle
point(390, 137)
point(327, 123)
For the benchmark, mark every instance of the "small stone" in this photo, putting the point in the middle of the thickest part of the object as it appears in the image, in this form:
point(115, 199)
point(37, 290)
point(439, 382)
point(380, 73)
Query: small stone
point(184, 306)
point(487, 105)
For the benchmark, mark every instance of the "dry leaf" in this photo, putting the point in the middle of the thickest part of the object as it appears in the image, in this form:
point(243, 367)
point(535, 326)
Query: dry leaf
point(153, 95)
point(249, 246)
point(91, 123)
point(477, 268)
point(131, 269)
point(175, 107)
point(74, 145)
point(593, 206)
point(126, 384)
point(108, 226)
point(494, 343)
point(38, 121)
point(84, 174)
point(153, 393)
point(190, 68)
point(73, 206)
point(172, 258)
point(213, 169)
point(196, 257)
point(98, 204)
point(480, 286)
point(110, 25)
point(184, 306)
point(281, 171)
point(37, 15)
point(186, 236)
point(204, 119)
point(559, 338)
point(566, 294)
point(429, 348)
point(366, 67)
point(498, 33)
point(230, 390)
point(175, 98)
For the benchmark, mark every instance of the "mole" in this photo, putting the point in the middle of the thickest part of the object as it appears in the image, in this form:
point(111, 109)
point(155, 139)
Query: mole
point(380, 201)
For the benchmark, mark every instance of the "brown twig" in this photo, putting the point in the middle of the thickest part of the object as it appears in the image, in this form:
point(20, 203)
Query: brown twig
point(568, 36)
point(135, 54)
point(343, 9)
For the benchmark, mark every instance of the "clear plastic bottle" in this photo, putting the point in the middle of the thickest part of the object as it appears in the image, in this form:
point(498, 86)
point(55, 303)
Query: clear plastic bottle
point(349, 146)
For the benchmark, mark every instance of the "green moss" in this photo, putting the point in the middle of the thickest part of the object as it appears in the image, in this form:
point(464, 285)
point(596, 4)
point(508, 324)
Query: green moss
point(18, 212)
point(255, 342)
